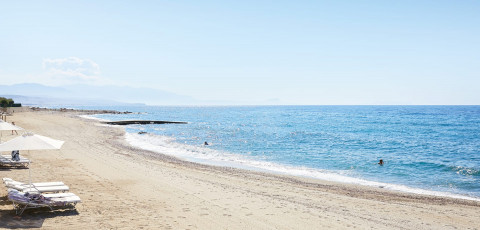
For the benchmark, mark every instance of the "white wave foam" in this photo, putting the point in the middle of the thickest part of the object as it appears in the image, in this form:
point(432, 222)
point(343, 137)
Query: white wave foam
point(203, 154)
point(91, 117)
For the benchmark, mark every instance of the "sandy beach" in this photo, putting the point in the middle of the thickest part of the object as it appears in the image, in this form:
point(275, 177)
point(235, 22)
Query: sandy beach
point(122, 187)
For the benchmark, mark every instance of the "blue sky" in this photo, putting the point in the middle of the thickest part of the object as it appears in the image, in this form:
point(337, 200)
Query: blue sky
point(251, 52)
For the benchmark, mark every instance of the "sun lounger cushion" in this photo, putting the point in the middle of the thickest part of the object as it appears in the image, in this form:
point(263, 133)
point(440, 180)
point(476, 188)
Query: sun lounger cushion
point(9, 181)
point(58, 195)
point(45, 189)
point(37, 187)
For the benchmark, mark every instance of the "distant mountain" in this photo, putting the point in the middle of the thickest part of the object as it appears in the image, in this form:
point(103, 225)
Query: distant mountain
point(90, 95)
point(63, 102)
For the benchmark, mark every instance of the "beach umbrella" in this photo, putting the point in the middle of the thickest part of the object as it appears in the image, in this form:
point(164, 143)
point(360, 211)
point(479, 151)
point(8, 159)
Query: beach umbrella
point(7, 126)
point(30, 141)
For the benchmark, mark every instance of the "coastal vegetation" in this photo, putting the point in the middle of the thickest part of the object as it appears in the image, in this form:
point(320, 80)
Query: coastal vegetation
point(8, 102)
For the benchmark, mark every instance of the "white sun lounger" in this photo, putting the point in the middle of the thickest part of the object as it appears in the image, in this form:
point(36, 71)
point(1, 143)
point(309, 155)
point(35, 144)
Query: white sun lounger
point(58, 195)
point(22, 201)
point(41, 187)
point(7, 180)
point(7, 161)
point(34, 189)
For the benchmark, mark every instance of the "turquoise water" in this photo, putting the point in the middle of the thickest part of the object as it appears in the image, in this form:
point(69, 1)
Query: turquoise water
point(426, 149)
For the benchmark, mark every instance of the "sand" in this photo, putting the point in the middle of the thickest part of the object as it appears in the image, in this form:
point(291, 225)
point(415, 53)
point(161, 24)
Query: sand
point(126, 188)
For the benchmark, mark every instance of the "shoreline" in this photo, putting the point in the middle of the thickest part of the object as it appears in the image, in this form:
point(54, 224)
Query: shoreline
point(321, 176)
point(309, 181)
point(184, 194)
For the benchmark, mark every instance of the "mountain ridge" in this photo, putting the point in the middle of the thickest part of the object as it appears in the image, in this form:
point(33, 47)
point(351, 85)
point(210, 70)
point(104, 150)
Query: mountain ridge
point(87, 94)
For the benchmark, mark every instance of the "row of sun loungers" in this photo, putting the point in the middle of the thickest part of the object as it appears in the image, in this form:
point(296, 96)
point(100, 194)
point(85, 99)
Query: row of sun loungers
point(6, 160)
point(37, 195)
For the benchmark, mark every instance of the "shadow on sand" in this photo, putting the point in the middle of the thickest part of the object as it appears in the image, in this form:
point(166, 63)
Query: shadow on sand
point(31, 218)
point(10, 168)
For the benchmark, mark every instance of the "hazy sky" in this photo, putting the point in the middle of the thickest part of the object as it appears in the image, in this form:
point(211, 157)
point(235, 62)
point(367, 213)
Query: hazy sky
point(255, 52)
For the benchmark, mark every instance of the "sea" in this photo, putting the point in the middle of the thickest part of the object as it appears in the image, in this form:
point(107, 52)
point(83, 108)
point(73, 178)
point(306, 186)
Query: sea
point(433, 150)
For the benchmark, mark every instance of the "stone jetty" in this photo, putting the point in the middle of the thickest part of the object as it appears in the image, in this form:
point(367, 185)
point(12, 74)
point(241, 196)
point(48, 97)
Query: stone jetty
point(142, 122)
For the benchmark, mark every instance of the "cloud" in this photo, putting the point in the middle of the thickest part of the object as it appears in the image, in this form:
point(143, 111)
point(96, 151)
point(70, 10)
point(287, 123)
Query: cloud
point(72, 69)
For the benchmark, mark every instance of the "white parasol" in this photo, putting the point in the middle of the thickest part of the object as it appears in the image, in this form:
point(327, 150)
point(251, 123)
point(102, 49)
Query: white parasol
point(30, 141)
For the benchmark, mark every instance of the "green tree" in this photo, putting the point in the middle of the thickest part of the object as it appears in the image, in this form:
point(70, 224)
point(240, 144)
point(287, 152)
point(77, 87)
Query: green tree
point(3, 102)
point(6, 102)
